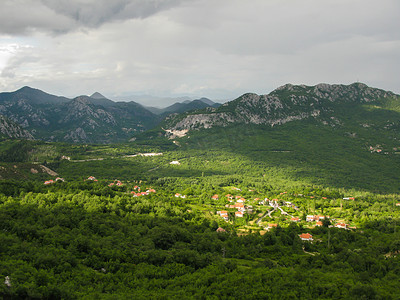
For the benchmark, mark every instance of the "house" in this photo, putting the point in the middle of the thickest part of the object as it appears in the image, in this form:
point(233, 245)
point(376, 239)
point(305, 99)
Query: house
point(295, 219)
point(397, 204)
point(219, 229)
point(239, 214)
point(240, 206)
point(310, 218)
point(272, 225)
point(241, 200)
point(174, 162)
point(151, 191)
point(92, 178)
point(306, 237)
point(177, 195)
point(225, 217)
point(51, 181)
point(60, 179)
point(215, 197)
point(319, 223)
point(341, 225)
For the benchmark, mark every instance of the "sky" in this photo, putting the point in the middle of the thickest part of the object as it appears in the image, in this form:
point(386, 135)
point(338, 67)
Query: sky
point(217, 49)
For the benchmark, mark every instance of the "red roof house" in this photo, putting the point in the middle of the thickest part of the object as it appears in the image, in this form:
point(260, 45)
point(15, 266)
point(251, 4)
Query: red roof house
point(306, 237)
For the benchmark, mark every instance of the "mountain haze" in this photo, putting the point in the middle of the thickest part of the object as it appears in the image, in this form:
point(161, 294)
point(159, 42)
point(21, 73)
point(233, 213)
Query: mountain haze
point(185, 106)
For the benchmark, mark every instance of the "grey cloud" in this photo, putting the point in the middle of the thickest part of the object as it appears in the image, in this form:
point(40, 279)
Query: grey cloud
point(93, 13)
point(25, 16)
point(60, 16)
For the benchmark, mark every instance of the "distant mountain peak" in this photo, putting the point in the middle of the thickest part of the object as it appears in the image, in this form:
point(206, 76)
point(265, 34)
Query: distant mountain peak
point(207, 101)
point(26, 88)
point(97, 95)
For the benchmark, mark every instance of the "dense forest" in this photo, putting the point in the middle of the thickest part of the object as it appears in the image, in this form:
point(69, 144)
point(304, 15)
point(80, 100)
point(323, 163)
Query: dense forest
point(142, 220)
point(77, 240)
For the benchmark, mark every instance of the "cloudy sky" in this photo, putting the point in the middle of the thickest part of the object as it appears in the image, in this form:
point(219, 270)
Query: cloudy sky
point(218, 49)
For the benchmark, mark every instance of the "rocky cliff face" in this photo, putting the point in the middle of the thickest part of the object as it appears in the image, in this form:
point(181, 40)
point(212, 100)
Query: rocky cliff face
point(10, 129)
point(285, 104)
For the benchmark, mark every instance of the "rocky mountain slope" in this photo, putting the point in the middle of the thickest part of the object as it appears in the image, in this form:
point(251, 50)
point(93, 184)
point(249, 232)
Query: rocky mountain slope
point(285, 104)
point(10, 129)
point(83, 119)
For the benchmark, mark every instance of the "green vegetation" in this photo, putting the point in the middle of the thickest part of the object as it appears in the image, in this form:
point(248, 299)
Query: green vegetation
point(87, 239)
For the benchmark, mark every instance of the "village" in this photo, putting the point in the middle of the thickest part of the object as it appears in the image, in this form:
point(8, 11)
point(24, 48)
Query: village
point(288, 212)
point(250, 214)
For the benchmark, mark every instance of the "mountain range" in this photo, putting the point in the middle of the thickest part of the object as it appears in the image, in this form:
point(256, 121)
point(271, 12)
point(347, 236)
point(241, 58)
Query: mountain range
point(33, 114)
point(285, 104)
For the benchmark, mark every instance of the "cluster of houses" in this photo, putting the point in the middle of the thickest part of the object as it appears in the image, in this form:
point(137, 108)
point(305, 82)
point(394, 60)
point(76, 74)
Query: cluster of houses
point(377, 149)
point(237, 203)
point(51, 181)
point(139, 193)
point(224, 214)
point(116, 182)
point(275, 202)
point(316, 218)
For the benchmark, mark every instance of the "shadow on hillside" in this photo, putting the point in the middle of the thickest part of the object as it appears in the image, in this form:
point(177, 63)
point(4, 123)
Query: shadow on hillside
point(313, 153)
